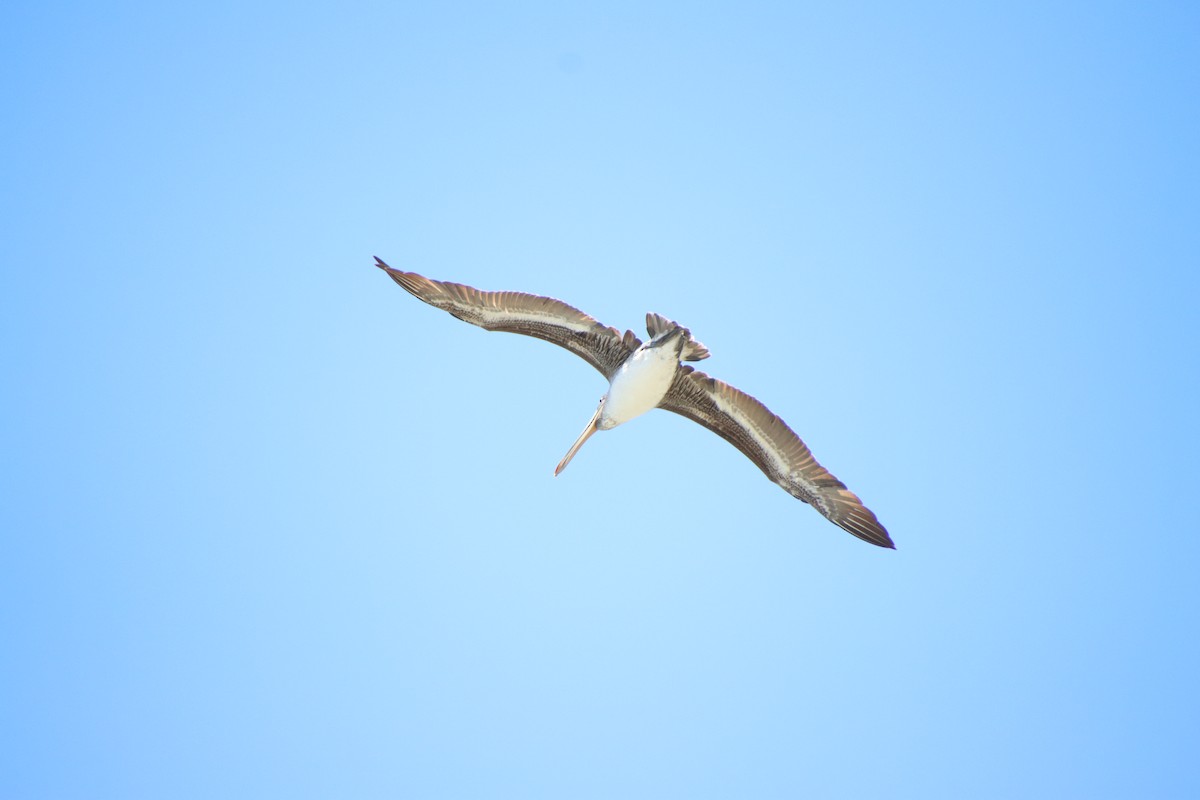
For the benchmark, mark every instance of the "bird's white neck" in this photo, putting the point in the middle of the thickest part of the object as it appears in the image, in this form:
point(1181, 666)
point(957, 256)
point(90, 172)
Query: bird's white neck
point(639, 384)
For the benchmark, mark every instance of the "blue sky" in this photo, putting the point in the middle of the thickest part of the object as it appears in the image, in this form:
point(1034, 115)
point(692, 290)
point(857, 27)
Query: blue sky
point(272, 527)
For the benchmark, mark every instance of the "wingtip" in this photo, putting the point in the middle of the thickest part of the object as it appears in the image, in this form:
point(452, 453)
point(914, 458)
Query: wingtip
point(883, 541)
point(860, 522)
point(879, 538)
point(379, 262)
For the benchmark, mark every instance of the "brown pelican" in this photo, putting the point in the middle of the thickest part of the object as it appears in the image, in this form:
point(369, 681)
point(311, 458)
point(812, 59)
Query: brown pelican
point(646, 375)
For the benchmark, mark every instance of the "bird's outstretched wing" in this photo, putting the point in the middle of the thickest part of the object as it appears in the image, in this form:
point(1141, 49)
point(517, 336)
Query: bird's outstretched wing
point(529, 314)
point(767, 440)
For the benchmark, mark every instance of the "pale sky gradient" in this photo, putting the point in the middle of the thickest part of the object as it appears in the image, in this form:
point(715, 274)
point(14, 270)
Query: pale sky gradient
point(273, 528)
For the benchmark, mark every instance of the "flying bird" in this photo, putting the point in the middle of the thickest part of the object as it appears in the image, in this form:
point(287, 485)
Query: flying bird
point(646, 375)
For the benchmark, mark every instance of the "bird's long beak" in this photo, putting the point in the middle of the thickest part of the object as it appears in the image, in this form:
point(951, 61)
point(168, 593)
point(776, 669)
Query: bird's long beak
point(591, 428)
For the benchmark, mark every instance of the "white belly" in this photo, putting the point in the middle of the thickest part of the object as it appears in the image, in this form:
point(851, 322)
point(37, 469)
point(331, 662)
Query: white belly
point(639, 385)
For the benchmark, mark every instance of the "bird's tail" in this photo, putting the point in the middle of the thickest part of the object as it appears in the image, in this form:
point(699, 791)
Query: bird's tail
point(658, 326)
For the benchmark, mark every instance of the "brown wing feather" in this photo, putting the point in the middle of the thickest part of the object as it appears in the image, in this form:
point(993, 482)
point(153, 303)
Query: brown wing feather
point(767, 440)
point(532, 315)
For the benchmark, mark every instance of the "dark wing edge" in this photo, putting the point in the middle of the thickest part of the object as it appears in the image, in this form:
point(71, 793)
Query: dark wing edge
point(766, 440)
point(543, 318)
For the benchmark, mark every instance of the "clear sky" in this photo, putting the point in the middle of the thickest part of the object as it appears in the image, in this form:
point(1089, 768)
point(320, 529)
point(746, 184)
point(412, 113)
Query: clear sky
point(273, 528)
